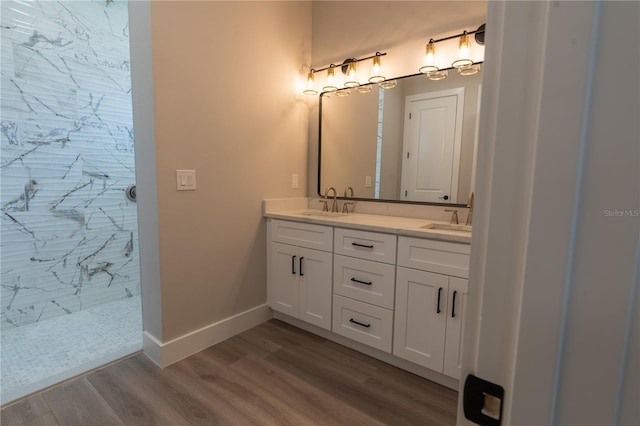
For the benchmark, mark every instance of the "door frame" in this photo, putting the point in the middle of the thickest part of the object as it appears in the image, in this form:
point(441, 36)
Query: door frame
point(536, 225)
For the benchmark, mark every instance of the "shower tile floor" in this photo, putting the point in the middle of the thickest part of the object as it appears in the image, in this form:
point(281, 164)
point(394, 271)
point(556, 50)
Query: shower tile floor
point(39, 355)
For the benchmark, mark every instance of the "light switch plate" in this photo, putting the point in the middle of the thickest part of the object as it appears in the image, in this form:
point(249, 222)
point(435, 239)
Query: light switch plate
point(368, 181)
point(295, 181)
point(186, 180)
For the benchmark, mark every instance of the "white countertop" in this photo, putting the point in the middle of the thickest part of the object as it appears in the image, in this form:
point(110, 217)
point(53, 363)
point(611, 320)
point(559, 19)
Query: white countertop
point(406, 226)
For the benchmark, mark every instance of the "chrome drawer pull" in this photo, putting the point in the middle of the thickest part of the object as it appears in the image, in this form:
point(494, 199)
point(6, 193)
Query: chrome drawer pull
point(361, 282)
point(362, 245)
point(359, 323)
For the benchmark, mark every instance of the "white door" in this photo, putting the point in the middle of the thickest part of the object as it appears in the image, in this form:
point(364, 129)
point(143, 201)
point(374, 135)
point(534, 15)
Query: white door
point(315, 270)
point(420, 317)
point(458, 290)
point(284, 282)
point(431, 146)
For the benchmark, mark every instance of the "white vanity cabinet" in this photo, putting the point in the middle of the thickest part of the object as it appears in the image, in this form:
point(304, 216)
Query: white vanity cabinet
point(431, 288)
point(396, 297)
point(363, 286)
point(300, 269)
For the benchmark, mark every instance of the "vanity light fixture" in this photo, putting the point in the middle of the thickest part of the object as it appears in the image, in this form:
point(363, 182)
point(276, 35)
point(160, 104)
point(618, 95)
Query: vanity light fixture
point(430, 59)
point(463, 52)
point(351, 79)
point(310, 91)
point(464, 64)
point(376, 70)
point(349, 69)
point(330, 85)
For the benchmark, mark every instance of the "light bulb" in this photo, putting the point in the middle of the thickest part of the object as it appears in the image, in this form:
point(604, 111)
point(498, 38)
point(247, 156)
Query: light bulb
point(351, 80)
point(376, 70)
point(429, 58)
point(330, 85)
point(463, 52)
point(310, 91)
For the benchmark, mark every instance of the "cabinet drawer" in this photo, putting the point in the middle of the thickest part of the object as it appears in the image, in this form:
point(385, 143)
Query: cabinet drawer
point(365, 245)
point(308, 235)
point(435, 256)
point(364, 280)
point(362, 322)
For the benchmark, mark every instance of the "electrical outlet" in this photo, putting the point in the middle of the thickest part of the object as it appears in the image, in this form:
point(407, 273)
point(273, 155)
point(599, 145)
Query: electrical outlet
point(295, 181)
point(368, 181)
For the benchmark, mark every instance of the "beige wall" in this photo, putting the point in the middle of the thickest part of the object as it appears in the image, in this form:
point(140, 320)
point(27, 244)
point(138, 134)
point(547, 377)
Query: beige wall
point(226, 105)
point(218, 94)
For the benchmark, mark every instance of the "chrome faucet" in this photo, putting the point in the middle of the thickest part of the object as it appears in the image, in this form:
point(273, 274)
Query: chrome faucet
point(334, 205)
point(345, 207)
point(470, 206)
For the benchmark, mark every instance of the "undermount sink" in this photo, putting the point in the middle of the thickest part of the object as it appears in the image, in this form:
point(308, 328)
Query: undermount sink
point(448, 227)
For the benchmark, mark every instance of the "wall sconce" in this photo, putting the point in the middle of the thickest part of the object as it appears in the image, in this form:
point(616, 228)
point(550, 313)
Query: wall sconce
point(376, 70)
point(310, 90)
point(463, 52)
point(330, 85)
point(351, 78)
point(464, 64)
point(430, 58)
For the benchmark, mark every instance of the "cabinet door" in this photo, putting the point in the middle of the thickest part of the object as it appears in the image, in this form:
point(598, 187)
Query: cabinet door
point(458, 290)
point(315, 270)
point(283, 279)
point(420, 317)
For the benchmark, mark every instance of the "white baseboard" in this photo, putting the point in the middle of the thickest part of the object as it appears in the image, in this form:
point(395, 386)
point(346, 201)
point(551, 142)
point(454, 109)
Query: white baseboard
point(165, 354)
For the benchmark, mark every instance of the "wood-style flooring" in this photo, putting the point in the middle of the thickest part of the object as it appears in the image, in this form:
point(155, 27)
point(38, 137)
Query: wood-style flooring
point(273, 374)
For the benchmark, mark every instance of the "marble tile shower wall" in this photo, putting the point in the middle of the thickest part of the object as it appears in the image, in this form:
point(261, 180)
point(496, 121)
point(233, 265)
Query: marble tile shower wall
point(68, 234)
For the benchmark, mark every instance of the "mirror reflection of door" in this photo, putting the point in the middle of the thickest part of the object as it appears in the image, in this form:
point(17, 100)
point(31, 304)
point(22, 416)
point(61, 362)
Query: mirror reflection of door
point(431, 146)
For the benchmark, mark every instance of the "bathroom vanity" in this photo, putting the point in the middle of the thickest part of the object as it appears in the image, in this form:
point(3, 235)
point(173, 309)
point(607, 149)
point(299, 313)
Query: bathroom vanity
point(392, 287)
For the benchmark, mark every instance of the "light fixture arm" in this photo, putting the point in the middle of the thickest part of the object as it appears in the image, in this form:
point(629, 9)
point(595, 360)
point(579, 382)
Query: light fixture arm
point(346, 62)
